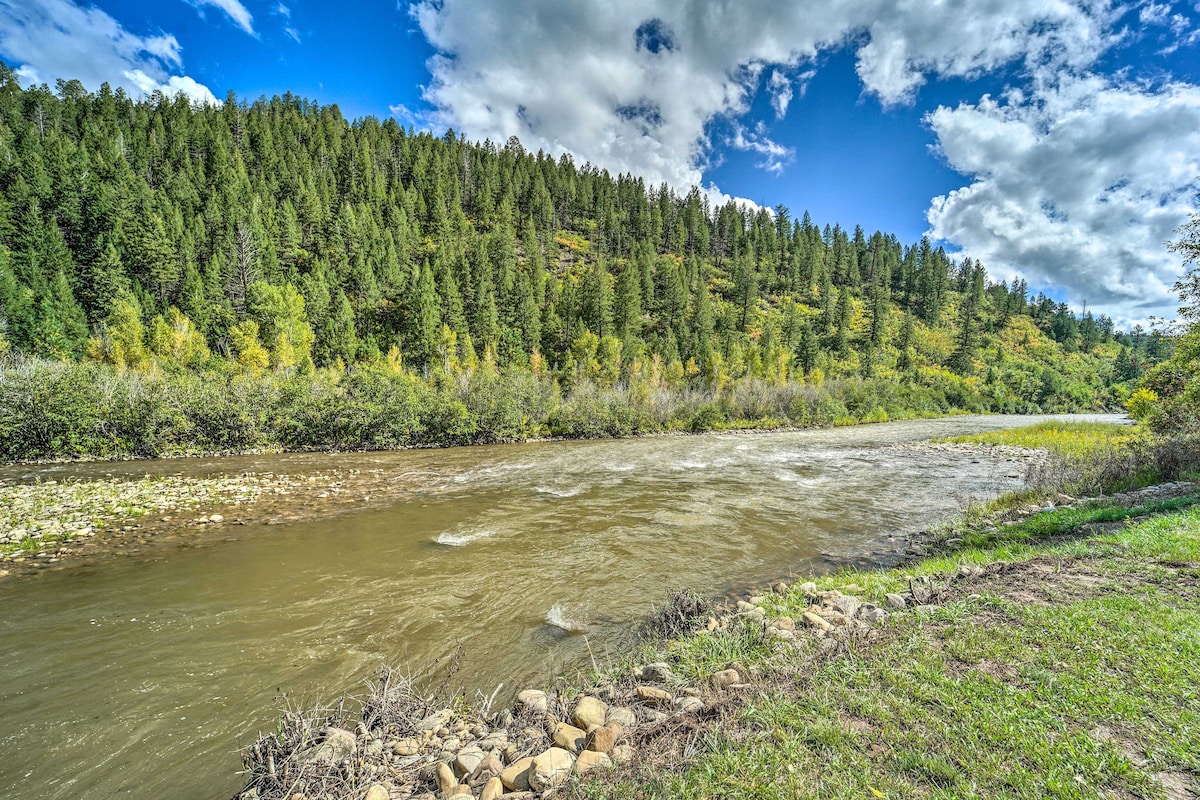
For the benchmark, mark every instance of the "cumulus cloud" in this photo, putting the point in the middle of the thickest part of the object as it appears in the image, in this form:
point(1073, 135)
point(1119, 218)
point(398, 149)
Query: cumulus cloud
point(633, 86)
point(1077, 187)
point(51, 39)
point(233, 9)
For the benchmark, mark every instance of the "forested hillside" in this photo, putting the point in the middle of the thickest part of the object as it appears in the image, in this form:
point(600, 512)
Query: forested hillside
point(270, 274)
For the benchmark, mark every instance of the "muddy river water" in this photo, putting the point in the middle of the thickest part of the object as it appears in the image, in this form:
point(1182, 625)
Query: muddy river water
point(140, 675)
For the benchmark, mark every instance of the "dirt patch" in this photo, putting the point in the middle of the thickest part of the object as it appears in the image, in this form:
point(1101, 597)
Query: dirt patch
point(1178, 785)
point(1002, 672)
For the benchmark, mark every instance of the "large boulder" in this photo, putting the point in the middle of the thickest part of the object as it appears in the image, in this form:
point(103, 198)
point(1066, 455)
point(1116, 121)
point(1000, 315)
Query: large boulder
point(653, 696)
point(550, 768)
point(589, 760)
point(568, 737)
point(589, 712)
point(492, 789)
point(605, 738)
point(516, 777)
point(533, 701)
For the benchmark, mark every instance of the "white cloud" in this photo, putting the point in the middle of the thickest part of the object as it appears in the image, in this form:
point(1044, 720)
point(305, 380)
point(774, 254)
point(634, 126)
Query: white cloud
point(1154, 13)
point(233, 9)
point(1077, 187)
point(781, 93)
point(775, 155)
point(172, 86)
point(632, 85)
point(51, 39)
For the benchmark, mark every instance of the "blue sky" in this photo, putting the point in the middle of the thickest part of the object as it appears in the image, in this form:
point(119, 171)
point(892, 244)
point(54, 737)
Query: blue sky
point(1055, 141)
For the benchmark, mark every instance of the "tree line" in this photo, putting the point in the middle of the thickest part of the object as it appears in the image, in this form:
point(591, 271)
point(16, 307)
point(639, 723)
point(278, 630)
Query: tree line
point(279, 237)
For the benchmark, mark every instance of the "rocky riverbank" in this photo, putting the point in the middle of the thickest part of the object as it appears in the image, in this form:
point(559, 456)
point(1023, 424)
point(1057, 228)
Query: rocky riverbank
point(48, 521)
point(404, 745)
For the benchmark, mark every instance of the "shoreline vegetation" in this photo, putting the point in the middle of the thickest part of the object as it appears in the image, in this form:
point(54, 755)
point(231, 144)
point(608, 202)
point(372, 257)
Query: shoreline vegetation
point(995, 662)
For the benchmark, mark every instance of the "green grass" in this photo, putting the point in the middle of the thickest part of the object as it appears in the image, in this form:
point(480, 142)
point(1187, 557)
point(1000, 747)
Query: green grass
point(1072, 439)
point(1033, 684)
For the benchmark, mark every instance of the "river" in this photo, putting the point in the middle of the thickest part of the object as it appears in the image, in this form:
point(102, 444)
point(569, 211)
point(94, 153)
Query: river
point(140, 675)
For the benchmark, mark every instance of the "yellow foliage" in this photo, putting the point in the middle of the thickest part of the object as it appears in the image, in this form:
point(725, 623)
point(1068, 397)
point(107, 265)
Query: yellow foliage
point(176, 339)
point(537, 364)
point(395, 360)
point(1141, 403)
point(251, 355)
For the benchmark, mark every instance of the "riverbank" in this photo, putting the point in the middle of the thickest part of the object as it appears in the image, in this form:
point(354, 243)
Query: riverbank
point(47, 522)
point(989, 670)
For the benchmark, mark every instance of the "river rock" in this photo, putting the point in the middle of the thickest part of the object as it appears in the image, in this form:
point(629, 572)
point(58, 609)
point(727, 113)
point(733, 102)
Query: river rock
point(896, 601)
point(653, 696)
point(785, 624)
point(808, 589)
point(589, 760)
point(568, 737)
point(534, 701)
point(467, 760)
point(658, 672)
point(688, 705)
point(604, 738)
point(338, 745)
point(377, 792)
point(847, 605)
point(516, 777)
point(834, 617)
point(435, 721)
point(725, 678)
point(757, 614)
point(493, 741)
point(492, 789)
point(816, 621)
point(619, 715)
point(489, 768)
point(444, 777)
point(782, 635)
point(872, 614)
point(589, 712)
point(550, 768)
point(621, 754)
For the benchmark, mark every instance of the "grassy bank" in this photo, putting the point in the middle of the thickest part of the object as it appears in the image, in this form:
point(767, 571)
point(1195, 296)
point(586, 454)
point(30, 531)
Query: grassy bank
point(1056, 669)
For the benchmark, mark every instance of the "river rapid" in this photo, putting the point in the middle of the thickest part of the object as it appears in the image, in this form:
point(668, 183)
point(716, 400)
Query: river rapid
point(139, 675)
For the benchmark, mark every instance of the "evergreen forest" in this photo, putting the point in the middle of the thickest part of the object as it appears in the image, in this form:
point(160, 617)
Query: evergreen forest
point(183, 278)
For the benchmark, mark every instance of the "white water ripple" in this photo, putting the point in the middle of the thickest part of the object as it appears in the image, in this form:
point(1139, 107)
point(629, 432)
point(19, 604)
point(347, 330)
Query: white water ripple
point(462, 538)
point(560, 617)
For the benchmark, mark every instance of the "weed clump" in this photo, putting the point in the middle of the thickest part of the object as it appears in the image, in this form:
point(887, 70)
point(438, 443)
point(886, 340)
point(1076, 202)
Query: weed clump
point(683, 613)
